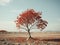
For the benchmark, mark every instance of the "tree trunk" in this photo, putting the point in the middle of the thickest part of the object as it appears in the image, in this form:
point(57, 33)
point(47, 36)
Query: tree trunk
point(29, 34)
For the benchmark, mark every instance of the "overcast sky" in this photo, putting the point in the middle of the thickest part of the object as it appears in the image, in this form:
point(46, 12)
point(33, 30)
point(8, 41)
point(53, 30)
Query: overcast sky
point(10, 9)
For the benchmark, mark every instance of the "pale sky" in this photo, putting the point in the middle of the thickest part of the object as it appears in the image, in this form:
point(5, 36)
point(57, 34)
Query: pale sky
point(10, 9)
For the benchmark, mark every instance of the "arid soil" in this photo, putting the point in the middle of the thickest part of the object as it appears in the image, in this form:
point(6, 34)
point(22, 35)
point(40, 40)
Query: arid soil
point(20, 38)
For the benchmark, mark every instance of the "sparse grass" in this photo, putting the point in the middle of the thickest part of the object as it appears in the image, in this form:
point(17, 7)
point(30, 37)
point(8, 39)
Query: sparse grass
point(23, 41)
point(21, 38)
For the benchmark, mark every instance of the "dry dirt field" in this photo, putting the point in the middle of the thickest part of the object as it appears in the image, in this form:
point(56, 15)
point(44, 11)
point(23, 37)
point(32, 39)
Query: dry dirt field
point(20, 38)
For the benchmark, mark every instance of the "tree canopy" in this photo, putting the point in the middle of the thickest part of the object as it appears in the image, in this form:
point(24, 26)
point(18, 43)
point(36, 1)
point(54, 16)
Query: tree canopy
point(29, 18)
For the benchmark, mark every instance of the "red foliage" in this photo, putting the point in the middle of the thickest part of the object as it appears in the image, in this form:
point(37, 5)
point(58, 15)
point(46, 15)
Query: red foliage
point(29, 17)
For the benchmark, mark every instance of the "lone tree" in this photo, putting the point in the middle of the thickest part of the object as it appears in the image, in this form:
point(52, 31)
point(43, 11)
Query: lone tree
point(30, 19)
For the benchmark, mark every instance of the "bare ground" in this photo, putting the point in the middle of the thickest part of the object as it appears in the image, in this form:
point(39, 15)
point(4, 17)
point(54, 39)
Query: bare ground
point(51, 38)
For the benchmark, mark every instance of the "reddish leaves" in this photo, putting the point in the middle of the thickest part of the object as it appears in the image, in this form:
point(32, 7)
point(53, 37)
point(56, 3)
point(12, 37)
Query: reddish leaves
point(42, 24)
point(29, 17)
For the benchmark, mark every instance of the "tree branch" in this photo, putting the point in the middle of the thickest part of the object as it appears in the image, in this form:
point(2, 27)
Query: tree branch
point(33, 24)
point(23, 28)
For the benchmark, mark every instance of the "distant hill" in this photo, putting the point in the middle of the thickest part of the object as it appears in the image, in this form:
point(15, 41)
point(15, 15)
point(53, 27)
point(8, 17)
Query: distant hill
point(3, 31)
